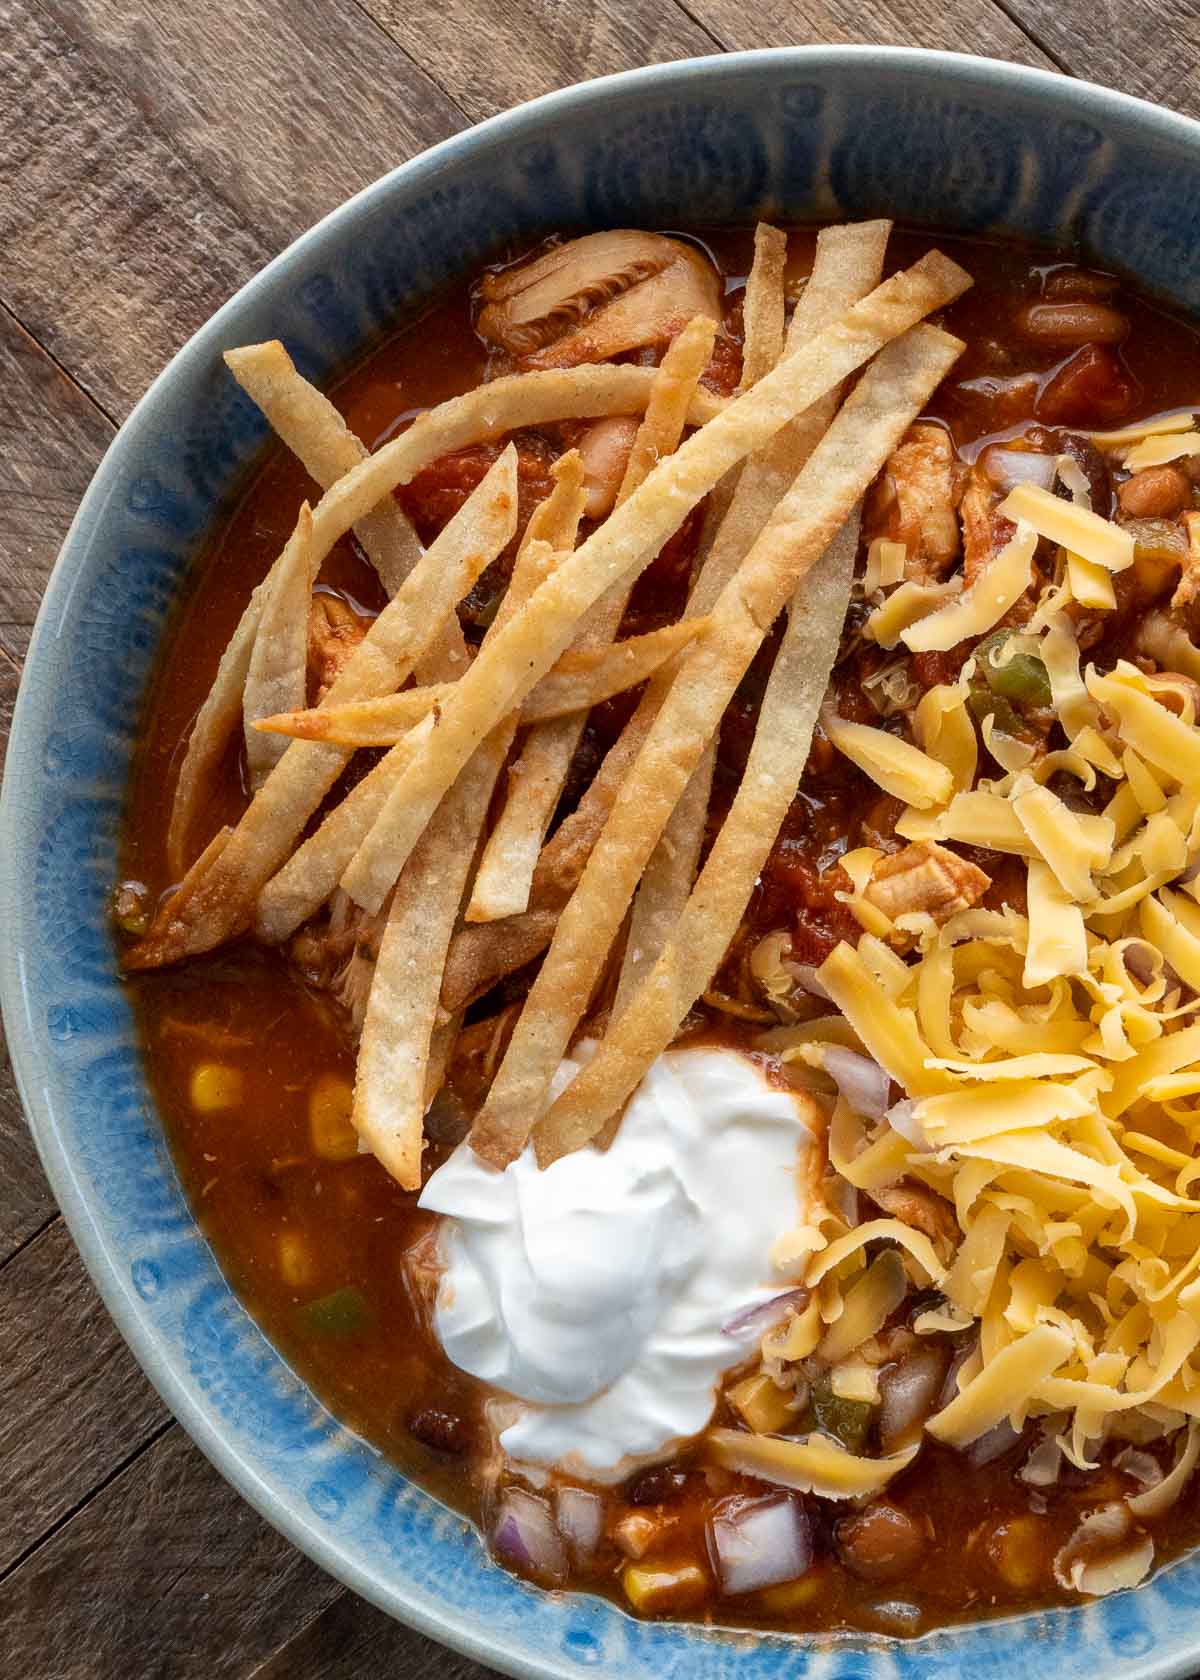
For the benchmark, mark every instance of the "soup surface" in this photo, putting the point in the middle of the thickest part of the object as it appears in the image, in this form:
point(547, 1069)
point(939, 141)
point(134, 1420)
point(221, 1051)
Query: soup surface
point(251, 1053)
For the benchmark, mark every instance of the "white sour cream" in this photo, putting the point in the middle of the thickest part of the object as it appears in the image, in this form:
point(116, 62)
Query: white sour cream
point(595, 1291)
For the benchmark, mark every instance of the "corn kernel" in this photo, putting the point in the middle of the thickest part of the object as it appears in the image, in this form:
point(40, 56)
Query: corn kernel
point(791, 1596)
point(215, 1085)
point(329, 1106)
point(295, 1260)
point(763, 1406)
point(657, 1590)
point(1015, 1550)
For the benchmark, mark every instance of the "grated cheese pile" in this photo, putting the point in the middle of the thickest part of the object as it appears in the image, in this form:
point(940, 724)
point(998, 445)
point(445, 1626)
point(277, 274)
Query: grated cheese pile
point(1050, 1057)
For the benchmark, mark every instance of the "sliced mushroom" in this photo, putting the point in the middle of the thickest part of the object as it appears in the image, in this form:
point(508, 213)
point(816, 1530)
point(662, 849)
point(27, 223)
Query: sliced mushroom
point(598, 296)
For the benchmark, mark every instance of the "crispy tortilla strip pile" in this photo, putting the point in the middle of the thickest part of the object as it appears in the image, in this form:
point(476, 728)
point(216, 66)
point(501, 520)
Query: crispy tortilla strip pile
point(785, 463)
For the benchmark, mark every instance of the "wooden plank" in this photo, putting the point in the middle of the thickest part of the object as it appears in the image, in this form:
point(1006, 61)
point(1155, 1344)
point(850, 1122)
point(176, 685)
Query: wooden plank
point(155, 157)
point(166, 1574)
point(67, 1422)
point(51, 439)
point(975, 26)
point(26, 1203)
point(351, 1640)
point(488, 58)
point(1152, 50)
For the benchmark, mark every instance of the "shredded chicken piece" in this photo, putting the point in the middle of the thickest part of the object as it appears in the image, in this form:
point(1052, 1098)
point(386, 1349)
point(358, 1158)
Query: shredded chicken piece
point(1183, 602)
point(925, 1211)
point(334, 631)
point(598, 296)
point(984, 533)
point(638, 1532)
point(927, 877)
point(338, 954)
point(926, 478)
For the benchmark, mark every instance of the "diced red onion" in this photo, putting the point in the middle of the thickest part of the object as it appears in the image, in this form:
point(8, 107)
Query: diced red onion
point(1142, 1466)
point(1044, 1464)
point(993, 1445)
point(862, 1082)
point(760, 1543)
point(1006, 467)
point(907, 1395)
point(901, 1117)
point(525, 1533)
point(580, 1516)
point(761, 1315)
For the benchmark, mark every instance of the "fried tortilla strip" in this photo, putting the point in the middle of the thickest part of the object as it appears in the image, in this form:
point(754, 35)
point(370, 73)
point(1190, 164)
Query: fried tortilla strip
point(321, 441)
point(311, 427)
point(276, 678)
point(393, 1068)
point(500, 678)
point(537, 779)
point(693, 953)
point(224, 900)
point(667, 881)
point(489, 412)
point(310, 875)
point(211, 731)
point(846, 266)
point(873, 418)
point(319, 438)
point(763, 305)
point(582, 678)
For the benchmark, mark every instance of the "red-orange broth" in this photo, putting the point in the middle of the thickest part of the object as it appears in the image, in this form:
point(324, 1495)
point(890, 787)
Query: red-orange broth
point(314, 1247)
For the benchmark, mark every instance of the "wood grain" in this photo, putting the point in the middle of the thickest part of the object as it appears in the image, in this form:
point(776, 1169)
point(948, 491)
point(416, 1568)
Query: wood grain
point(491, 57)
point(155, 157)
point(68, 1422)
point(165, 1575)
point(26, 1204)
point(51, 440)
point(351, 1640)
point(1151, 49)
point(975, 26)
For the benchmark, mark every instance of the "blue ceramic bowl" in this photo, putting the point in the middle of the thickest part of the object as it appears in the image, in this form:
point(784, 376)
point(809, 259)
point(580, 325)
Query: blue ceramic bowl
point(816, 132)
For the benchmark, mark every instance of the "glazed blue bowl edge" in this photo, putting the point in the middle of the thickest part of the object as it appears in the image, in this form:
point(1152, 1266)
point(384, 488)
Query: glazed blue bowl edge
point(800, 133)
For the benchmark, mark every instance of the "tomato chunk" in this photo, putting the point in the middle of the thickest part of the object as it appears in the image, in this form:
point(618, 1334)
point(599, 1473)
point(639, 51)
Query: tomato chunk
point(1092, 386)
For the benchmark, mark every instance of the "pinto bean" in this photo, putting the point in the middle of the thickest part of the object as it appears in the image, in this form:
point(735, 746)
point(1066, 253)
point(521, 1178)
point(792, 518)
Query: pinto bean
point(1079, 283)
point(881, 1542)
point(1155, 493)
point(1076, 322)
point(445, 1432)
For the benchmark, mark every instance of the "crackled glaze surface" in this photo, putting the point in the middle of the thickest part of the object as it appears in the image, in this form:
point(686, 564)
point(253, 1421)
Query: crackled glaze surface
point(795, 134)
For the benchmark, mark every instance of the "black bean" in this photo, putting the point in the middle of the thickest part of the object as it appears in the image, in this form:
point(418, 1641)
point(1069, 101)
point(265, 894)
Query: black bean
point(445, 1432)
point(655, 1487)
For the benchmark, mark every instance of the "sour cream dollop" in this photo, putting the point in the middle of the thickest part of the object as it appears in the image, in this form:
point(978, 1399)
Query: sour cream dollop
point(595, 1291)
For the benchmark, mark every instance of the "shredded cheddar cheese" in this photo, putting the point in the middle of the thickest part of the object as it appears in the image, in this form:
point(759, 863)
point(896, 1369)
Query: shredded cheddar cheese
point(984, 604)
point(1076, 528)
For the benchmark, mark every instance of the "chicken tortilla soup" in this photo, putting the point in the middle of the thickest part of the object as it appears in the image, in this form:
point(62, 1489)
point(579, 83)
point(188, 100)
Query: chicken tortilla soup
point(661, 896)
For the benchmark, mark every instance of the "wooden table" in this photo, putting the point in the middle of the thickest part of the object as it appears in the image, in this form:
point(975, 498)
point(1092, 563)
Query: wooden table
point(153, 155)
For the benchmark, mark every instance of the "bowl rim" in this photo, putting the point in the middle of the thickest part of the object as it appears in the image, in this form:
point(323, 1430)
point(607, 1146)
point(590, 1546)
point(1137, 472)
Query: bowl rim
point(236, 1466)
